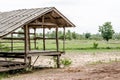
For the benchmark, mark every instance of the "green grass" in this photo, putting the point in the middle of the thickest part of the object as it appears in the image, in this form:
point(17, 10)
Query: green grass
point(87, 46)
point(75, 45)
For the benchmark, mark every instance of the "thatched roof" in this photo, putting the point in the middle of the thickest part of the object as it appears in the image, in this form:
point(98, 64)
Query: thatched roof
point(12, 20)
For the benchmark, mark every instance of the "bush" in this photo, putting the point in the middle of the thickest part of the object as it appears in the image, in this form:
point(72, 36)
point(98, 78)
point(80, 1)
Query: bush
point(63, 62)
point(108, 47)
point(95, 45)
point(66, 62)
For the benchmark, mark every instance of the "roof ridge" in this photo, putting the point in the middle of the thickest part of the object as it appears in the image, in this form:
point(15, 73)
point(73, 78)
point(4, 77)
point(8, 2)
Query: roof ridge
point(30, 9)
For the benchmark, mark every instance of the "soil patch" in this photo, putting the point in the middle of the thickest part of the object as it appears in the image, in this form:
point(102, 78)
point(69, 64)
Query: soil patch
point(78, 70)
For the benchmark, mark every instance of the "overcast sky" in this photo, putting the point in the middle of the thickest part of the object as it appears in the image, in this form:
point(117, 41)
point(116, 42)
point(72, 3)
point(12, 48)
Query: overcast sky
point(87, 15)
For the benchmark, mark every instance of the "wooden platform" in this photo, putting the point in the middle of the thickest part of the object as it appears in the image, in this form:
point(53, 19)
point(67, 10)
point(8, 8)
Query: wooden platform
point(11, 65)
point(12, 54)
point(44, 53)
point(30, 53)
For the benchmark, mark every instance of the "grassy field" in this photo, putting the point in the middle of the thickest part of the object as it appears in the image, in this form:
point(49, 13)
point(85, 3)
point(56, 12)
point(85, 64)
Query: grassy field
point(75, 45)
point(87, 46)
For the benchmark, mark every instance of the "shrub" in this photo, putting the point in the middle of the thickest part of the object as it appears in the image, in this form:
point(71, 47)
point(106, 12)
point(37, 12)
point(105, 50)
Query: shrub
point(108, 47)
point(66, 62)
point(95, 45)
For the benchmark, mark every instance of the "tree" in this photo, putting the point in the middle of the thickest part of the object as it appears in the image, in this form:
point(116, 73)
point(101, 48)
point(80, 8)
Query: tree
point(69, 35)
point(74, 35)
point(106, 31)
point(87, 35)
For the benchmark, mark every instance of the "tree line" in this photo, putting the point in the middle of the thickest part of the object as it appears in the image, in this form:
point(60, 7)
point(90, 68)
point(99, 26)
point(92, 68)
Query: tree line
point(76, 36)
point(106, 32)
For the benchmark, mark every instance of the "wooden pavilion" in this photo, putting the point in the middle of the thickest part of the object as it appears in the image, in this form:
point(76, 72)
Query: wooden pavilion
point(27, 19)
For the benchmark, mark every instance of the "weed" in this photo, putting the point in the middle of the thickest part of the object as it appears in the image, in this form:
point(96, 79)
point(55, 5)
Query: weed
point(3, 75)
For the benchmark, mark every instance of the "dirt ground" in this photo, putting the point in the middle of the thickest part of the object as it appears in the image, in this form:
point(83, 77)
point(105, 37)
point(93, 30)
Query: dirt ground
point(80, 68)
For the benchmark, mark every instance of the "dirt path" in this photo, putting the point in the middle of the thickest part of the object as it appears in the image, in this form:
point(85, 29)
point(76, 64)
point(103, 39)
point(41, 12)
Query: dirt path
point(78, 70)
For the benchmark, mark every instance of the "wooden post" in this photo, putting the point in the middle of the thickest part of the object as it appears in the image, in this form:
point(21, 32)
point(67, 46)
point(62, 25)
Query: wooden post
point(57, 43)
point(0, 44)
point(26, 42)
point(29, 39)
point(35, 38)
point(64, 39)
point(58, 61)
point(12, 42)
point(43, 33)
point(57, 47)
point(30, 61)
point(43, 38)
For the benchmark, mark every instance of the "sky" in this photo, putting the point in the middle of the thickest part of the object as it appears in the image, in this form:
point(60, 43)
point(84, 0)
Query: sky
point(87, 15)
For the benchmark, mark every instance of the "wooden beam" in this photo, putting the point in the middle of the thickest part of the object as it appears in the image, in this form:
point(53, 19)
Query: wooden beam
point(52, 18)
point(48, 18)
point(47, 38)
point(40, 24)
point(45, 53)
point(12, 54)
point(14, 42)
point(9, 38)
point(49, 27)
point(21, 33)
